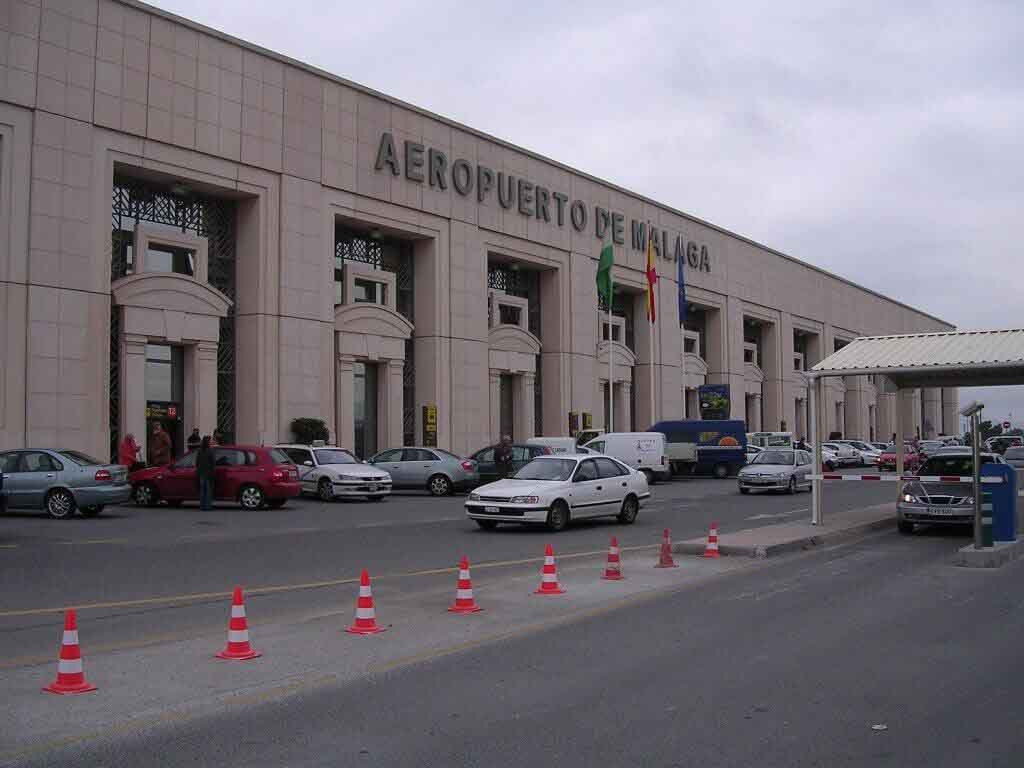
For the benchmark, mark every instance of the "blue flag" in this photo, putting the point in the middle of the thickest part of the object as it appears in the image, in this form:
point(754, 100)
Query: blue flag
point(681, 277)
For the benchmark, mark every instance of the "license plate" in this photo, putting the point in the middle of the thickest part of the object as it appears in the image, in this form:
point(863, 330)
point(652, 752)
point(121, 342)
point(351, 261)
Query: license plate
point(491, 510)
point(942, 511)
point(373, 486)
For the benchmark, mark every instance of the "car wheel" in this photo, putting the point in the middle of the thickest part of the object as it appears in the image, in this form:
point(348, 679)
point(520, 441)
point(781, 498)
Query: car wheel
point(60, 504)
point(744, 490)
point(630, 508)
point(649, 475)
point(276, 503)
point(324, 490)
point(146, 495)
point(904, 527)
point(558, 516)
point(251, 497)
point(439, 485)
point(91, 511)
point(487, 525)
point(791, 488)
point(721, 471)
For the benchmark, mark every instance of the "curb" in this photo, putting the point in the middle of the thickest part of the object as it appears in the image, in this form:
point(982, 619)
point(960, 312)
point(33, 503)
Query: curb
point(696, 546)
point(1001, 553)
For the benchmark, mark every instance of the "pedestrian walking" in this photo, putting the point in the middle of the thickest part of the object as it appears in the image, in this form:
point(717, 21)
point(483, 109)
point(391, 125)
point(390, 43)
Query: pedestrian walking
point(128, 453)
point(159, 446)
point(503, 457)
point(205, 470)
point(193, 440)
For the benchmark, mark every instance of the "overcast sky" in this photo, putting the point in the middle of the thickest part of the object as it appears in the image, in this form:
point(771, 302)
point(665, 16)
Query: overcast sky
point(878, 140)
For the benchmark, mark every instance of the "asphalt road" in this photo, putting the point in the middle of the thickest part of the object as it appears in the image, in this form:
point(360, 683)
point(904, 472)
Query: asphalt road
point(131, 564)
point(879, 653)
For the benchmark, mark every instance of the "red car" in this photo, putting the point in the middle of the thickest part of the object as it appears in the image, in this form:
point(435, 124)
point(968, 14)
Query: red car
point(887, 461)
point(253, 476)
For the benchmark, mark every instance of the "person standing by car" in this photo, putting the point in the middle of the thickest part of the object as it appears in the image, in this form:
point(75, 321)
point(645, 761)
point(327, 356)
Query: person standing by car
point(205, 470)
point(128, 453)
point(159, 446)
point(193, 440)
point(503, 457)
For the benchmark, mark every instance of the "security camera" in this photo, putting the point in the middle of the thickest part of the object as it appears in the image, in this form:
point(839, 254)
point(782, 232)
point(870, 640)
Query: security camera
point(971, 409)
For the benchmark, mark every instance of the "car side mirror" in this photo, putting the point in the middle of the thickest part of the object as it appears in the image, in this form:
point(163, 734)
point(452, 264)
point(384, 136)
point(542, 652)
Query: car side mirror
point(307, 463)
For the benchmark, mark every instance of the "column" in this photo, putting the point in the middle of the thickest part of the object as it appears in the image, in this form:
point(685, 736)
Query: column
point(950, 411)
point(133, 390)
point(525, 391)
point(855, 409)
point(755, 413)
point(202, 390)
point(931, 398)
point(390, 402)
point(495, 404)
point(800, 419)
point(773, 344)
point(623, 400)
point(344, 403)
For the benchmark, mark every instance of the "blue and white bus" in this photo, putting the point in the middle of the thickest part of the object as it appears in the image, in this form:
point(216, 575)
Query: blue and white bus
point(698, 447)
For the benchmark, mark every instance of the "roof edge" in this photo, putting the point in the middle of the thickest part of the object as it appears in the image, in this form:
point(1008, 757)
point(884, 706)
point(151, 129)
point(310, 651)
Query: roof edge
point(195, 25)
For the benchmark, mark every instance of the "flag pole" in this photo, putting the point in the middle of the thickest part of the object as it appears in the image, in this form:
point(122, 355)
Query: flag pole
point(611, 379)
point(651, 345)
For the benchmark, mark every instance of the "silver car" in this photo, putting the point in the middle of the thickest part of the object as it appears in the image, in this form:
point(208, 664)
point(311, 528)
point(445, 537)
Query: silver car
point(1014, 457)
point(432, 469)
point(331, 472)
point(61, 482)
point(776, 469)
point(941, 503)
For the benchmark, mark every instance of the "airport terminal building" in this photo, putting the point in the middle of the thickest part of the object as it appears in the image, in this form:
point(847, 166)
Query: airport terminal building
point(198, 231)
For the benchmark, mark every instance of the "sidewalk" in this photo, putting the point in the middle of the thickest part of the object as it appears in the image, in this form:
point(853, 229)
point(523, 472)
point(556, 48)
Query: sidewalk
point(770, 540)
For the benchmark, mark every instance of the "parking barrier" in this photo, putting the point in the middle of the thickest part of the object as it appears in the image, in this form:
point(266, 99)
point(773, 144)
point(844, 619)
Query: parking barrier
point(908, 478)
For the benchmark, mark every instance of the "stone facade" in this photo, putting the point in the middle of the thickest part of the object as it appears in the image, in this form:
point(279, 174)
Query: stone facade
point(93, 90)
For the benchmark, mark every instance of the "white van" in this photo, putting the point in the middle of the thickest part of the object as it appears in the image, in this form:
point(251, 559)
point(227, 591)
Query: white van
point(644, 451)
point(558, 445)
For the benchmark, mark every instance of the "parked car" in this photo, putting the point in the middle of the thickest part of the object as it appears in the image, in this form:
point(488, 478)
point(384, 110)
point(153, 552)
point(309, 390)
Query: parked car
point(328, 472)
point(556, 489)
point(252, 475)
point(941, 503)
point(845, 455)
point(1000, 443)
point(776, 469)
point(752, 451)
point(431, 469)
point(61, 482)
point(644, 451)
point(887, 461)
point(1015, 457)
point(558, 445)
point(882, 446)
point(927, 447)
point(522, 454)
point(865, 451)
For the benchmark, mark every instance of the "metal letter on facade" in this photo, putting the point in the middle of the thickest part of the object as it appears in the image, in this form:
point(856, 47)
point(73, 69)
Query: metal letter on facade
point(386, 154)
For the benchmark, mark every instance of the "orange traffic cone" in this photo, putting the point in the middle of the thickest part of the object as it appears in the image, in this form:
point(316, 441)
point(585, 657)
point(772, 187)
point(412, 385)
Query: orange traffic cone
point(665, 557)
point(549, 578)
point(70, 677)
point(464, 602)
point(711, 550)
point(366, 618)
point(613, 570)
point(238, 647)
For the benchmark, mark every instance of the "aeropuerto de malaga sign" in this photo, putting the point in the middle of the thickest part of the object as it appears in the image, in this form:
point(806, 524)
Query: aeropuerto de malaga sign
point(431, 166)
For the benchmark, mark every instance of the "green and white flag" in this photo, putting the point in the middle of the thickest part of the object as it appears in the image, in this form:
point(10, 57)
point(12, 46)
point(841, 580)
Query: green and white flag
point(604, 270)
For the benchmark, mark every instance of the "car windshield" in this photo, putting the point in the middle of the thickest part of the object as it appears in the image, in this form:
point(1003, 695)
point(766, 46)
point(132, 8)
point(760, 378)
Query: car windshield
point(81, 459)
point(1014, 453)
point(774, 457)
point(334, 456)
point(961, 465)
point(547, 469)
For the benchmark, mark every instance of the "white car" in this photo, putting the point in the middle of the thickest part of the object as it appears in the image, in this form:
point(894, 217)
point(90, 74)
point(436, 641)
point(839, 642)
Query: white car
point(845, 455)
point(330, 472)
point(868, 453)
point(556, 489)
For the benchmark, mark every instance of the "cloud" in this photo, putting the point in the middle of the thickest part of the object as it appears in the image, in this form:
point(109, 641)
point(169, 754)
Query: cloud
point(878, 140)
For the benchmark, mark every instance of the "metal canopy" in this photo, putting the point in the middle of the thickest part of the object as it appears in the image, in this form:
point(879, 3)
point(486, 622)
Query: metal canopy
point(944, 359)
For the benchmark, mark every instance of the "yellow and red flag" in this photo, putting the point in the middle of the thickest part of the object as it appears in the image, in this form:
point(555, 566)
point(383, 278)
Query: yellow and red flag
point(652, 279)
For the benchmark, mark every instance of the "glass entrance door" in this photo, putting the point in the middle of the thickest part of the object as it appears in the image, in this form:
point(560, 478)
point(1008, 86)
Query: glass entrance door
point(507, 400)
point(364, 379)
point(164, 387)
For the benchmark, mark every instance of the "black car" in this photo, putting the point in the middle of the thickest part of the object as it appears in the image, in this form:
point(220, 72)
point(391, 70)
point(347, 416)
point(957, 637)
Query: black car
point(522, 455)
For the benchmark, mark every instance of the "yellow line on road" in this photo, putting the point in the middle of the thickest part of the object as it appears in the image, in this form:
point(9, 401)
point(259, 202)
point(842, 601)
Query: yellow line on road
point(8, 546)
point(95, 541)
point(276, 589)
